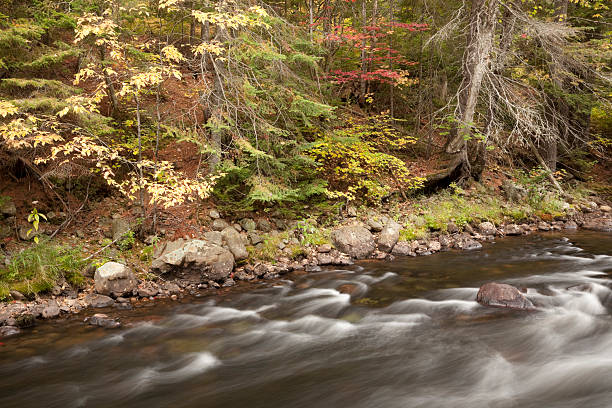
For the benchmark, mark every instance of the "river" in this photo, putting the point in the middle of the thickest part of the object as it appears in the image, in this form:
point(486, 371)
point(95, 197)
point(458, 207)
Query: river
point(406, 333)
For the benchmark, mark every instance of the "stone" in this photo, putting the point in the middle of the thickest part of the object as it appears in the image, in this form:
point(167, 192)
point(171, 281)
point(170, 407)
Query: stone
point(248, 224)
point(5, 231)
point(487, 228)
point(214, 237)
point(147, 289)
point(467, 243)
point(389, 236)
point(28, 233)
point(513, 192)
point(354, 240)
point(102, 320)
point(325, 259)
point(324, 248)
point(219, 224)
point(513, 229)
point(445, 241)
point(235, 244)
point(571, 225)
point(375, 226)
point(254, 238)
point(403, 248)
point(434, 246)
point(264, 225)
point(351, 211)
point(7, 207)
point(171, 287)
point(7, 331)
point(452, 228)
point(544, 226)
point(214, 214)
point(119, 227)
point(501, 295)
point(211, 262)
point(25, 320)
point(228, 283)
point(114, 279)
point(50, 311)
point(16, 295)
point(98, 301)
point(468, 228)
point(598, 225)
point(605, 208)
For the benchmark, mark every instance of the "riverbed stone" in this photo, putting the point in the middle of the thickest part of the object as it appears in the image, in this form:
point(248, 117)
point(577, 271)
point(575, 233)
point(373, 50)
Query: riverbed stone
point(235, 244)
point(495, 294)
point(403, 248)
point(354, 240)
point(98, 301)
point(214, 237)
point(452, 228)
point(487, 228)
point(7, 331)
point(147, 289)
point(102, 320)
point(114, 279)
point(248, 224)
point(606, 208)
point(324, 248)
point(601, 225)
point(389, 236)
point(209, 261)
point(51, 310)
point(513, 229)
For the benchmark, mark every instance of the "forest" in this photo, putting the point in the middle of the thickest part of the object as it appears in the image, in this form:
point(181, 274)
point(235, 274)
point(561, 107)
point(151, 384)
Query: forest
point(128, 124)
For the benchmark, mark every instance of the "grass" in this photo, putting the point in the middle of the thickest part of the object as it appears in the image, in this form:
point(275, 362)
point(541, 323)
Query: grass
point(40, 267)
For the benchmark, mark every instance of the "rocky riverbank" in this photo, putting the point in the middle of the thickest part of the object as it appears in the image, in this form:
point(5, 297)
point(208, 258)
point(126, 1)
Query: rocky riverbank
point(220, 257)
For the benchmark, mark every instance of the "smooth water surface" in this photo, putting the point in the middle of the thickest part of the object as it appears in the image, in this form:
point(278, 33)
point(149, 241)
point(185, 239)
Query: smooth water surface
point(402, 334)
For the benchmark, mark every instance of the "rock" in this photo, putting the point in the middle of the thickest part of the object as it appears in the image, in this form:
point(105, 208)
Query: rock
point(434, 246)
point(219, 224)
point(501, 295)
point(324, 248)
point(228, 283)
point(147, 289)
point(214, 214)
point(403, 248)
point(513, 229)
point(513, 192)
point(452, 228)
point(214, 237)
point(264, 225)
point(445, 241)
point(237, 227)
point(355, 241)
point(375, 226)
point(468, 243)
point(168, 246)
point(248, 224)
point(487, 228)
point(351, 211)
point(114, 279)
point(25, 320)
point(571, 225)
point(544, 226)
point(7, 207)
point(5, 231)
point(97, 301)
point(598, 225)
point(209, 261)
point(102, 320)
point(254, 237)
point(28, 233)
point(605, 208)
point(171, 287)
point(389, 236)
point(6, 331)
point(50, 311)
point(468, 228)
point(16, 295)
point(235, 244)
point(119, 227)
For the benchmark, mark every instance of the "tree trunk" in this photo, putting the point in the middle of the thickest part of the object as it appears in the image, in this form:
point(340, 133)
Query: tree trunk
point(476, 63)
point(364, 64)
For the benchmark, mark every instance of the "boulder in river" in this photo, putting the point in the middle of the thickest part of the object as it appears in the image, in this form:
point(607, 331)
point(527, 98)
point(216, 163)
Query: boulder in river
point(102, 320)
point(354, 240)
point(114, 279)
point(495, 294)
point(6, 331)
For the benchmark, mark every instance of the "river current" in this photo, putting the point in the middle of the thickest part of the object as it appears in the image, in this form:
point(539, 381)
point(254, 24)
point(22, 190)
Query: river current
point(406, 333)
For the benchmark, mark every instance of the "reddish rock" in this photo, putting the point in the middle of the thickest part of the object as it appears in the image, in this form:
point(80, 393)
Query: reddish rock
point(501, 295)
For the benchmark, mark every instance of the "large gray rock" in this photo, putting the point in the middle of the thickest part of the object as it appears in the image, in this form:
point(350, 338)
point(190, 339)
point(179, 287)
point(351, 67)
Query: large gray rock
point(114, 279)
point(235, 244)
point(403, 248)
point(119, 227)
point(389, 236)
point(211, 262)
point(102, 320)
point(96, 301)
point(354, 240)
point(513, 229)
point(598, 225)
point(501, 295)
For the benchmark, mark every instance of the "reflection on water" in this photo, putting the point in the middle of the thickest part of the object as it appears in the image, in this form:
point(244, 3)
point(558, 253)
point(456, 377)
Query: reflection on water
point(401, 334)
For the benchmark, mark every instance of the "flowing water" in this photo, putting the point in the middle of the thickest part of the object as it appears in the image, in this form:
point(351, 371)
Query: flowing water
point(409, 334)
